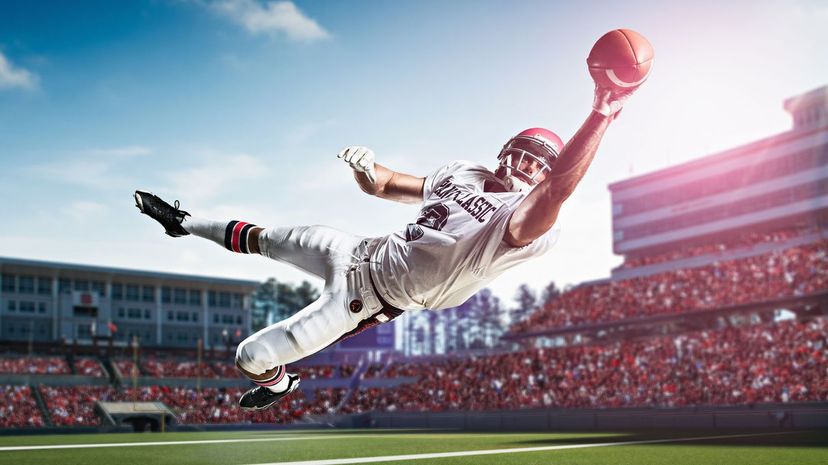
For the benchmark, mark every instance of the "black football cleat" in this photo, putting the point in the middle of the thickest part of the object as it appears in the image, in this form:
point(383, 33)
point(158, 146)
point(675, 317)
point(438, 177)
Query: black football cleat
point(260, 397)
point(169, 216)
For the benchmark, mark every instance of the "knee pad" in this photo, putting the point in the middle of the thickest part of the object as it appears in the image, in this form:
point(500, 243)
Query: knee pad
point(254, 357)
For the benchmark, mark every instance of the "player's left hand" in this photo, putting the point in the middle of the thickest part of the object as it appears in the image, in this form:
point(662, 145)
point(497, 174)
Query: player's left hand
point(609, 102)
point(360, 159)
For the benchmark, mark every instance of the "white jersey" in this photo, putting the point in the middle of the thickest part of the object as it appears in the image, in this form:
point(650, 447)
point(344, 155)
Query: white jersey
point(455, 247)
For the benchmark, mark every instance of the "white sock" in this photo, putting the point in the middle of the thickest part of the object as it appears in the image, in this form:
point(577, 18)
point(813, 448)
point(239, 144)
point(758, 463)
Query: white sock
point(278, 383)
point(281, 386)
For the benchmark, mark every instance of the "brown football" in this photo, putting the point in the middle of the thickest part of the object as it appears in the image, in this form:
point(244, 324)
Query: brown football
point(621, 59)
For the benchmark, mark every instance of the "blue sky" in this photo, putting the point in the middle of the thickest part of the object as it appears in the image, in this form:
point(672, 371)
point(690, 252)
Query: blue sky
point(238, 107)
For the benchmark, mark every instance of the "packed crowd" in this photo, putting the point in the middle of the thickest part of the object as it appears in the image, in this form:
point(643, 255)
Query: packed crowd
point(791, 272)
point(772, 362)
point(158, 367)
point(171, 368)
point(126, 367)
point(785, 361)
point(88, 367)
point(18, 408)
point(34, 365)
point(743, 241)
point(74, 405)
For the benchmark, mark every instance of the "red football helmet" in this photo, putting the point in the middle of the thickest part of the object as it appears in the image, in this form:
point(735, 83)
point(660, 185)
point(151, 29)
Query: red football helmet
point(529, 154)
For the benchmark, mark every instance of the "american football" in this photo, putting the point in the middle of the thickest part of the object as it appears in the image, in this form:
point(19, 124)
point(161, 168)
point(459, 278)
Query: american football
point(621, 58)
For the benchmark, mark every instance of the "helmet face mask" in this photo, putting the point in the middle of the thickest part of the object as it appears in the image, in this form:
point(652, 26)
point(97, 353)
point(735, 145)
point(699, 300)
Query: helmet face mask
point(527, 158)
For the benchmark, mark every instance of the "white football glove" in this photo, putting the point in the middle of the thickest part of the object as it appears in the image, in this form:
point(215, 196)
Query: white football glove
point(360, 159)
point(609, 102)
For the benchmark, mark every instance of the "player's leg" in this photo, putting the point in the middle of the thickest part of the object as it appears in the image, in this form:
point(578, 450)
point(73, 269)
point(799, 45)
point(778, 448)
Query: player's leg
point(263, 356)
point(313, 249)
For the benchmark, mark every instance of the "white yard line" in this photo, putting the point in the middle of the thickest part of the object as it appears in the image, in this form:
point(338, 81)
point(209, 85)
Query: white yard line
point(439, 455)
point(166, 443)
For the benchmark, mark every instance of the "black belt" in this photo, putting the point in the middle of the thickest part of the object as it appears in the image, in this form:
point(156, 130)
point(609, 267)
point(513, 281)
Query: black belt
point(388, 310)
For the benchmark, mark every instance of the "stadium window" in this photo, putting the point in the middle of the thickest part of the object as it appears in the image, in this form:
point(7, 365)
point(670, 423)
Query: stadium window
point(27, 307)
point(120, 312)
point(99, 287)
point(224, 299)
point(227, 319)
point(166, 295)
point(64, 285)
point(180, 296)
point(81, 285)
point(215, 318)
point(195, 317)
point(132, 292)
point(117, 291)
point(238, 319)
point(8, 283)
point(195, 297)
point(148, 294)
point(182, 316)
point(169, 316)
point(25, 285)
point(44, 285)
point(211, 298)
point(134, 313)
point(41, 307)
point(12, 306)
point(147, 314)
point(237, 301)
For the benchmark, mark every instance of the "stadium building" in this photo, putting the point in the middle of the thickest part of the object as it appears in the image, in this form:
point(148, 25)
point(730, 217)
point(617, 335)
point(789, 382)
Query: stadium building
point(44, 301)
point(774, 184)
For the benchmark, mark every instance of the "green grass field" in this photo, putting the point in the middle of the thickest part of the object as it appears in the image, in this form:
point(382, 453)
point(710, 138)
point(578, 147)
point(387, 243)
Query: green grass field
point(334, 447)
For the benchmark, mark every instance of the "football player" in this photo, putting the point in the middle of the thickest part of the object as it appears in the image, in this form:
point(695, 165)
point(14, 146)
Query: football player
point(473, 225)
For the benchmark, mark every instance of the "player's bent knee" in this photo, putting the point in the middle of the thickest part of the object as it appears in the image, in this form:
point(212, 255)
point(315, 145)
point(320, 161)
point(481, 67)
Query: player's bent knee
point(254, 357)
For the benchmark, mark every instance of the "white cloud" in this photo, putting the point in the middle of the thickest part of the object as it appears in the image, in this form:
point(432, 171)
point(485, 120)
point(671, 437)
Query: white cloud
point(271, 17)
point(83, 210)
point(93, 168)
point(219, 173)
point(13, 77)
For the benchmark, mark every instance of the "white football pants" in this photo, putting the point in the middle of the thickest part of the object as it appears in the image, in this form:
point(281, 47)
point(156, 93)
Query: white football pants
point(324, 252)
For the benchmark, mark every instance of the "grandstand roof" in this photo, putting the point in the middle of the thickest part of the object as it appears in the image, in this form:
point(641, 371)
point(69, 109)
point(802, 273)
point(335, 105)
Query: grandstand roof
point(58, 266)
point(729, 154)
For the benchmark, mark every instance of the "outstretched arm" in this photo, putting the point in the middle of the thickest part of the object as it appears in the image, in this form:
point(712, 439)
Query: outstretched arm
point(377, 180)
point(539, 210)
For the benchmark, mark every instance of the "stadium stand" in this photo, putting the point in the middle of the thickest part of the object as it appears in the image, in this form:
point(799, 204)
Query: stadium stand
point(767, 362)
point(34, 365)
point(88, 367)
point(74, 406)
point(126, 367)
point(18, 408)
point(795, 271)
point(745, 240)
point(771, 362)
point(161, 368)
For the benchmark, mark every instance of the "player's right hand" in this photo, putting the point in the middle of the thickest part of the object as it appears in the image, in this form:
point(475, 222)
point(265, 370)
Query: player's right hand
point(360, 159)
point(609, 102)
